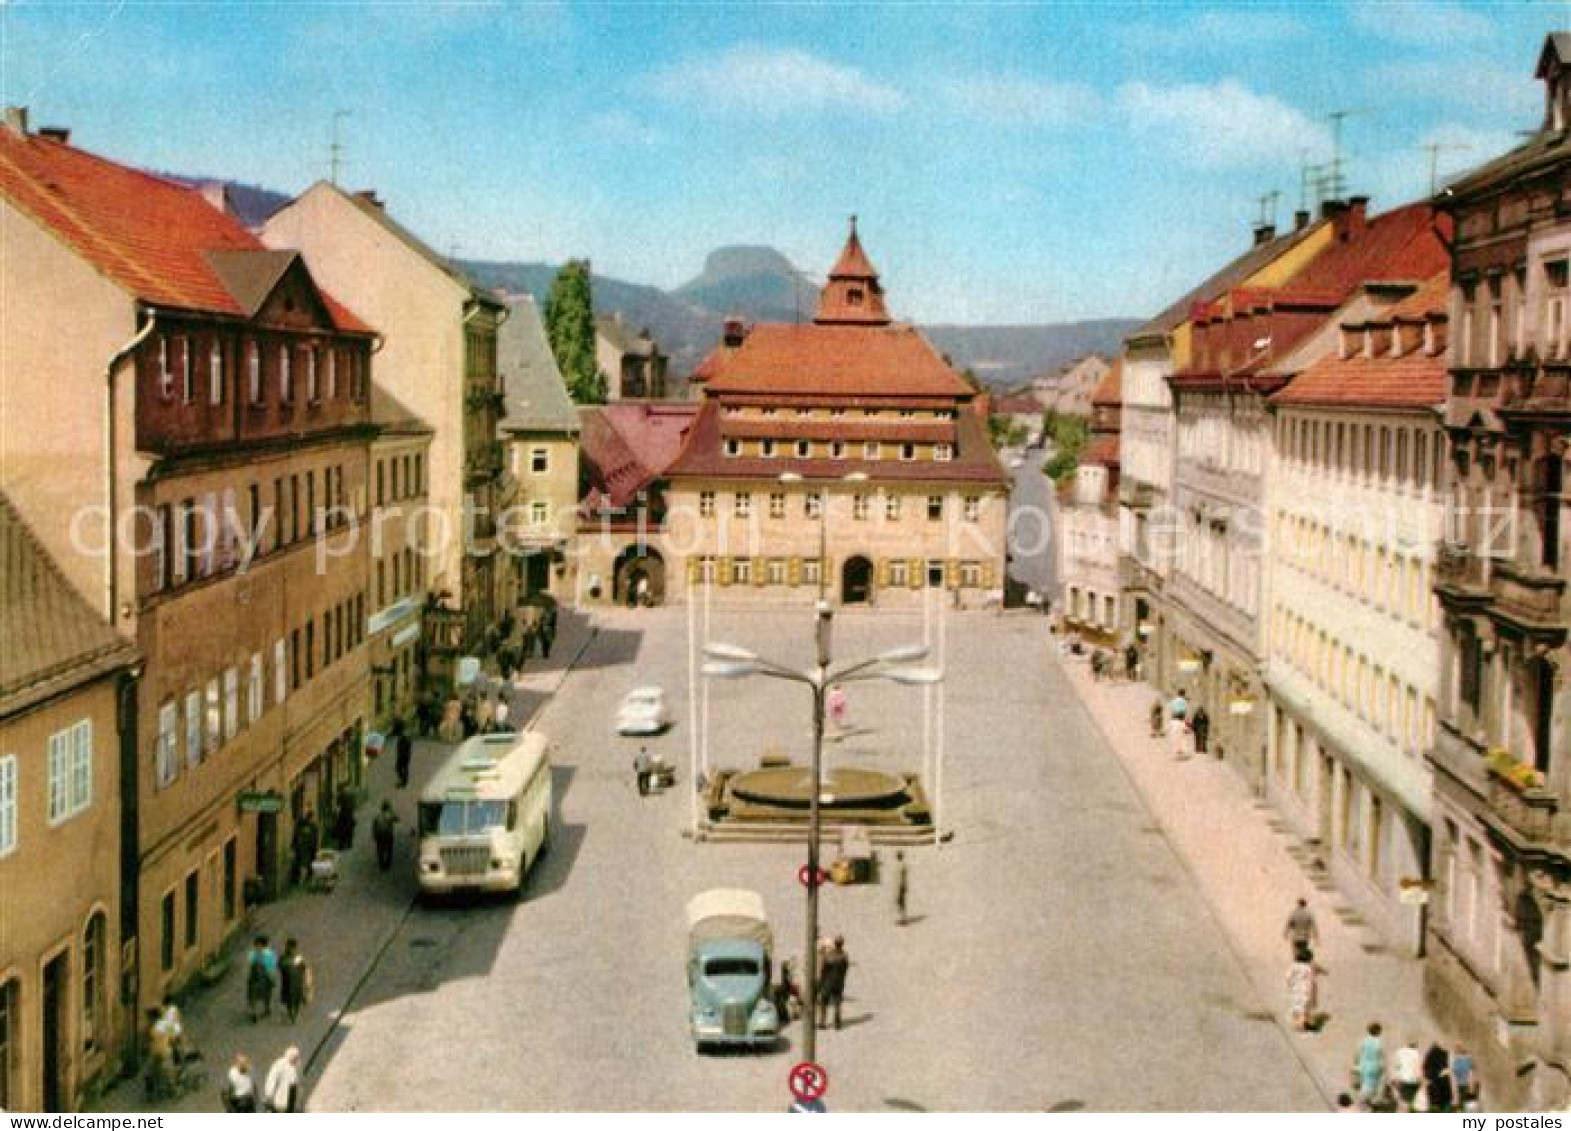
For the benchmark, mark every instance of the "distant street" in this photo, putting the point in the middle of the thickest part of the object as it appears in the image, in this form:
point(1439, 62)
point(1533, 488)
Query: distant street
point(1060, 956)
point(1033, 527)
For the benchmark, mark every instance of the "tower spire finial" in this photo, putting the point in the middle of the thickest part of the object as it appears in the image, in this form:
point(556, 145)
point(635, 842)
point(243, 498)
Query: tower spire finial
point(853, 223)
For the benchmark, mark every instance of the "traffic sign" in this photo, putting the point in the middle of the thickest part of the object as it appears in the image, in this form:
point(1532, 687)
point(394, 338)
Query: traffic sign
point(809, 1081)
point(805, 877)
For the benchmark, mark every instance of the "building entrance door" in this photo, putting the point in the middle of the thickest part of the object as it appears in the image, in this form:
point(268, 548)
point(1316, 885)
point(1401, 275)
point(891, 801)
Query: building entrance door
point(56, 1062)
point(856, 581)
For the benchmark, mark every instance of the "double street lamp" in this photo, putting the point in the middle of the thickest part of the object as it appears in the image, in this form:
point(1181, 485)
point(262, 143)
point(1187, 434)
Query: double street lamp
point(727, 661)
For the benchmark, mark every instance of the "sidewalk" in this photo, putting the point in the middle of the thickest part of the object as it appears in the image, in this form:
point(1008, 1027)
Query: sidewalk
point(342, 934)
point(1243, 863)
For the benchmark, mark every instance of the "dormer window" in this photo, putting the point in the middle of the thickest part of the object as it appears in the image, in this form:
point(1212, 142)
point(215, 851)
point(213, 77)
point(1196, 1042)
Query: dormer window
point(215, 373)
point(854, 296)
point(733, 447)
point(837, 413)
point(768, 450)
point(870, 450)
point(908, 452)
point(803, 449)
point(943, 453)
point(837, 449)
point(769, 412)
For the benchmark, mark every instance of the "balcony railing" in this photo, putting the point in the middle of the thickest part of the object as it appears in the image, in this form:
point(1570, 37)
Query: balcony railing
point(1528, 811)
point(1545, 386)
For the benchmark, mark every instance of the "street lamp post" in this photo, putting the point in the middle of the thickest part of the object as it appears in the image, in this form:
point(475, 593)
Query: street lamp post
point(823, 523)
point(727, 661)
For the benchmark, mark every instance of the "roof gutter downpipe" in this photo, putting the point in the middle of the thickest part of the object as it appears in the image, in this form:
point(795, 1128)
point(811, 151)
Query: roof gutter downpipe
point(111, 456)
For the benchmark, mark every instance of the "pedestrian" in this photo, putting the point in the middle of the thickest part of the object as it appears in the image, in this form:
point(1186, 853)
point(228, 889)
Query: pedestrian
point(1407, 1071)
point(547, 636)
point(1158, 717)
point(1178, 708)
point(303, 845)
point(468, 717)
point(382, 828)
point(261, 973)
point(1300, 930)
point(1131, 662)
point(403, 753)
point(1437, 1079)
point(1179, 738)
point(1303, 990)
point(344, 820)
point(902, 887)
point(641, 591)
point(1462, 1078)
point(158, 1074)
point(1370, 1066)
point(294, 980)
point(1201, 724)
point(1098, 664)
point(499, 717)
point(485, 714)
point(832, 986)
point(838, 707)
point(643, 771)
point(239, 1089)
point(281, 1092)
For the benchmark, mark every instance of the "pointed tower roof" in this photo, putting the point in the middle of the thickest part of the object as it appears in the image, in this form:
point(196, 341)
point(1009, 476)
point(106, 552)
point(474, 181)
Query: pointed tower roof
point(853, 295)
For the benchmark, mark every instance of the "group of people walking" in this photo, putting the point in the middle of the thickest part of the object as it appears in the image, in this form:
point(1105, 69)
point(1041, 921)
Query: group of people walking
point(290, 973)
point(1437, 1080)
point(833, 965)
point(1188, 729)
point(280, 1087)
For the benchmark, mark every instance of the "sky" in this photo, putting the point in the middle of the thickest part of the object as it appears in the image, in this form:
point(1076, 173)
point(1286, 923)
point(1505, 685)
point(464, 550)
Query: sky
point(1008, 162)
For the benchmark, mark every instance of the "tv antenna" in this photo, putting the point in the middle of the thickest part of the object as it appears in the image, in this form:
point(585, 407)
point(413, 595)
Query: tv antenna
point(1308, 184)
point(1435, 149)
point(1268, 208)
point(336, 148)
point(1336, 180)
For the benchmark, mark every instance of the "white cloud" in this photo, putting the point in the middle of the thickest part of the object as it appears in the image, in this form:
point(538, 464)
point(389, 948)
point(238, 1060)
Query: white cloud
point(1422, 22)
point(1498, 91)
point(1016, 100)
point(1213, 30)
point(1222, 125)
point(774, 81)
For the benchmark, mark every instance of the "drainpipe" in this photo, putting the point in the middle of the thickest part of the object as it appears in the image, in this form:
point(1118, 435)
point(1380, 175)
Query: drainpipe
point(111, 580)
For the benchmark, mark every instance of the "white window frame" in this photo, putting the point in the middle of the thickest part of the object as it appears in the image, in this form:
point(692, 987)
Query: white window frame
point(193, 728)
point(892, 508)
point(539, 513)
point(899, 573)
point(166, 756)
point(742, 504)
point(706, 504)
point(767, 449)
point(804, 449)
point(907, 452)
point(213, 715)
point(231, 703)
point(775, 571)
point(837, 449)
point(8, 815)
point(973, 508)
point(813, 504)
point(741, 571)
point(187, 372)
point(777, 504)
point(943, 453)
point(539, 461)
point(254, 701)
point(70, 784)
point(280, 670)
point(166, 372)
point(733, 446)
point(872, 450)
point(253, 371)
point(859, 507)
point(313, 390)
point(286, 377)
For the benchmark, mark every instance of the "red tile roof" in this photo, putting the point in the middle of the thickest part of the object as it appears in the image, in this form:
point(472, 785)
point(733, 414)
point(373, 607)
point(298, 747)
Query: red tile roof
point(1016, 404)
point(146, 234)
point(1400, 244)
point(1103, 449)
point(1111, 391)
point(973, 462)
point(870, 361)
point(1416, 381)
point(625, 447)
point(1432, 300)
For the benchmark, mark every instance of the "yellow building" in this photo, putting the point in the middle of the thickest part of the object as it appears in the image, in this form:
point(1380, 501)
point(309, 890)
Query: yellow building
point(64, 676)
point(844, 455)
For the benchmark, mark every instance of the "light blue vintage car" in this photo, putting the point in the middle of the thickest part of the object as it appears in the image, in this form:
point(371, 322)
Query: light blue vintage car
point(728, 970)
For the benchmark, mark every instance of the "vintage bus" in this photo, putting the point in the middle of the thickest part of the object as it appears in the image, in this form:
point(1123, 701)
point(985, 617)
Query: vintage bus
point(485, 818)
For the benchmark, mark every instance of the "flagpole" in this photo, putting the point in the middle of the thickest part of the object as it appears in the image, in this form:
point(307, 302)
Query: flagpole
point(692, 698)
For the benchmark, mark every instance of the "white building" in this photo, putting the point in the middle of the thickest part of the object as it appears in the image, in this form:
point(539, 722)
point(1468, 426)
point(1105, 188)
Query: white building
point(1352, 663)
point(1088, 522)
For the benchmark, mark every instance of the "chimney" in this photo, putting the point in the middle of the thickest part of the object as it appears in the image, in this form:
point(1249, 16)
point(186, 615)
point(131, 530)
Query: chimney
point(1264, 233)
point(215, 193)
point(370, 197)
point(735, 332)
point(1300, 219)
point(16, 119)
point(56, 133)
point(1331, 209)
point(1357, 218)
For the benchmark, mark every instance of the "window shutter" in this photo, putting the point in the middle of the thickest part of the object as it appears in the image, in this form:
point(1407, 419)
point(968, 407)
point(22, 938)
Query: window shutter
point(794, 572)
point(883, 573)
point(760, 572)
point(725, 571)
point(988, 566)
point(914, 573)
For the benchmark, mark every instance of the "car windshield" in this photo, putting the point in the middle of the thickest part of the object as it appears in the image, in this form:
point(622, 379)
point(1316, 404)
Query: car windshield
point(461, 818)
point(731, 968)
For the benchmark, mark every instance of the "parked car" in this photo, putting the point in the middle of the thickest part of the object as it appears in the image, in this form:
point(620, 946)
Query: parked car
point(729, 970)
point(643, 711)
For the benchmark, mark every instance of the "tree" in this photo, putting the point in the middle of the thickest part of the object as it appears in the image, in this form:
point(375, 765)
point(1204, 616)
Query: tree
point(570, 328)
